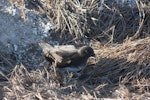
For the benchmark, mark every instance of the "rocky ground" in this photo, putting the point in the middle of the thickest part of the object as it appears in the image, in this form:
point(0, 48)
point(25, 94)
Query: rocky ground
point(19, 34)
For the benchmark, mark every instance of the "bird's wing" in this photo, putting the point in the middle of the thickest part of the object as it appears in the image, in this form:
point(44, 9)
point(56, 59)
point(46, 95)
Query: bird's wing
point(67, 48)
point(56, 57)
point(67, 57)
point(64, 54)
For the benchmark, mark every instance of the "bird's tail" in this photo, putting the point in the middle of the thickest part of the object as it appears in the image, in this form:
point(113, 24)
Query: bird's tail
point(45, 46)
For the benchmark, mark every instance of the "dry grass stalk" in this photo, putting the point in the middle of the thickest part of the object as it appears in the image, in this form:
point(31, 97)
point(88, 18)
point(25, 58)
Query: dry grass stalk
point(106, 21)
point(70, 14)
point(126, 64)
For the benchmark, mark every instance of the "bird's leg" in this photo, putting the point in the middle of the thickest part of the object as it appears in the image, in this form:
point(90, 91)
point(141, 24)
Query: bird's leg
point(77, 74)
point(54, 71)
point(82, 70)
point(54, 67)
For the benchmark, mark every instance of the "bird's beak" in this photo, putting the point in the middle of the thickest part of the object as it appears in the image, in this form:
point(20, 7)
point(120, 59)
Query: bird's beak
point(93, 55)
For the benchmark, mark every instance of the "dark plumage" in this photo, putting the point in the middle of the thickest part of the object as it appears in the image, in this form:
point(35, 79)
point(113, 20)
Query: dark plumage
point(67, 56)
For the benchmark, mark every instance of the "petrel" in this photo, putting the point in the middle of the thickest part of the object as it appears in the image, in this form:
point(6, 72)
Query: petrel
point(67, 57)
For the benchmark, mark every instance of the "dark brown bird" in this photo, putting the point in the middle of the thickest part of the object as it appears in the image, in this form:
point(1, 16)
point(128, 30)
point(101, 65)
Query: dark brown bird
point(67, 56)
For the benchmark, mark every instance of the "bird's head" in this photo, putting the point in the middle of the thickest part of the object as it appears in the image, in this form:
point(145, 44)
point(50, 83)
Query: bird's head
point(86, 51)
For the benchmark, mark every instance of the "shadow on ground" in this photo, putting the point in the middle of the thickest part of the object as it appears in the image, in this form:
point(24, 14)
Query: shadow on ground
point(109, 74)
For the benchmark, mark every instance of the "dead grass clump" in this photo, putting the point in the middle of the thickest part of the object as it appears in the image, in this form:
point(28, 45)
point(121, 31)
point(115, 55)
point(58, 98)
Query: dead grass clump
point(133, 51)
point(42, 85)
point(70, 15)
point(106, 21)
point(26, 85)
point(127, 64)
point(121, 71)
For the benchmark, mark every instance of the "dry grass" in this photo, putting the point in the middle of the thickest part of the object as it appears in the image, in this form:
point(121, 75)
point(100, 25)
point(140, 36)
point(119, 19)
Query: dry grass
point(39, 84)
point(105, 21)
point(125, 65)
point(70, 15)
point(122, 70)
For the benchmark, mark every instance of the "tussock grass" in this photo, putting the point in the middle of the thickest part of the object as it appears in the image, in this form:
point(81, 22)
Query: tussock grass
point(39, 84)
point(106, 21)
point(121, 71)
point(70, 15)
point(127, 65)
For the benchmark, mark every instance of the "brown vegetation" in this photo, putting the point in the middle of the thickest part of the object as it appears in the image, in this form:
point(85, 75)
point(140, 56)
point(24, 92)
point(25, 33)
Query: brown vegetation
point(119, 34)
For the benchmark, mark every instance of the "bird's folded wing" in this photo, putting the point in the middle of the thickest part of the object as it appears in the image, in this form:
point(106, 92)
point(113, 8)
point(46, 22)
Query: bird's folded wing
point(67, 57)
point(66, 48)
point(61, 54)
point(54, 56)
